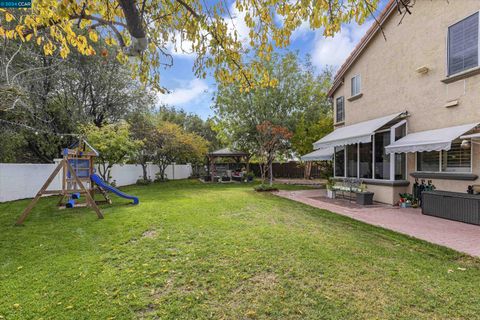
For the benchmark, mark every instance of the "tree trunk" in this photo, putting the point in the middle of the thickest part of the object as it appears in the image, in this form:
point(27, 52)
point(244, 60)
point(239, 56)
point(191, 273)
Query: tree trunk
point(270, 171)
point(263, 169)
point(161, 173)
point(144, 169)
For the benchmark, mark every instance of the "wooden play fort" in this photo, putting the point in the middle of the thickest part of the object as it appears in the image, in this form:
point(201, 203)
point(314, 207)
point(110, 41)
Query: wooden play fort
point(79, 182)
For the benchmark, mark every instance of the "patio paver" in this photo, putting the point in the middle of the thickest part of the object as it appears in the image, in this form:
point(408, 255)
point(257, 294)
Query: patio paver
point(455, 235)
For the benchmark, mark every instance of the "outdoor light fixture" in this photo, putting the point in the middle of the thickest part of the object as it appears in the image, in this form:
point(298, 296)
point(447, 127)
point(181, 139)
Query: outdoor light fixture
point(465, 144)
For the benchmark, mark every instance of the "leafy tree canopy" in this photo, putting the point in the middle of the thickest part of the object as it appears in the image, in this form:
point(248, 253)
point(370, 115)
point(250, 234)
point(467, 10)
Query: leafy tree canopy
point(145, 29)
point(174, 144)
point(114, 143)
point(190, 122)
point(299, 100)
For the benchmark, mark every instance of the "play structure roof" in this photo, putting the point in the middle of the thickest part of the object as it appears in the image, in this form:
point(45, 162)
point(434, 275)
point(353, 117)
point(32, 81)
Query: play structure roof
point(227, 152)
point(80, 141)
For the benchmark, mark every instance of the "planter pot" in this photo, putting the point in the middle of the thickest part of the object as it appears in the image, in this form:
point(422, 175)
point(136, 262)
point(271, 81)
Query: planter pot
point(405, 205)
point(331, 194)
point(365, 198)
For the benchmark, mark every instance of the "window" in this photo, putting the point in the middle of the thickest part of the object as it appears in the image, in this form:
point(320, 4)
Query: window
point(382, 160)
point(400, 159)
point(352, 160)
point(365, 153)
point(339, 161)
point(428, 161)
point(356, 85)
point(456, 159)
point(340, 110)
point(463, 45)
point(369, 160)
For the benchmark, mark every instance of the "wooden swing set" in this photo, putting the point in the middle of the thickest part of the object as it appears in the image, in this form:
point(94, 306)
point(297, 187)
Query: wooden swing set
point(77, 169)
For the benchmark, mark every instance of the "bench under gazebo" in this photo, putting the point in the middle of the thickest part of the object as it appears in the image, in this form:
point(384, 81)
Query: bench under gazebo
point(238, 157)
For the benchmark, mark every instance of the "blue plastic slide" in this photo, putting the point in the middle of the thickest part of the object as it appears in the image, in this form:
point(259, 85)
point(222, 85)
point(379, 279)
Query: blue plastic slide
point(102, 184)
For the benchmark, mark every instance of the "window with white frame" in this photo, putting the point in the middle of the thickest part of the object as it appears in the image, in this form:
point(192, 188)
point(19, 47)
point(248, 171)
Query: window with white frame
point(340, 109)
point(462, 45)
point(339, 162)
point(369, 160)
point(457, 159)
point(356, 85)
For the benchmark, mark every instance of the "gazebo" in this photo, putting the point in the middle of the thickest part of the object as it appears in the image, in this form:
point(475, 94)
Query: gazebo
point(236, 155)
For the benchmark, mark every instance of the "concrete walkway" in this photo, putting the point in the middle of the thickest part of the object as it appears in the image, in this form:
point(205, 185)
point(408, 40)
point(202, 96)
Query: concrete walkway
point(456, 235)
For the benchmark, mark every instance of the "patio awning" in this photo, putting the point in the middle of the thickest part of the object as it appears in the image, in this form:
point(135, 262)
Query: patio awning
point(319, 155)
point(430, 140)
point(356, 133)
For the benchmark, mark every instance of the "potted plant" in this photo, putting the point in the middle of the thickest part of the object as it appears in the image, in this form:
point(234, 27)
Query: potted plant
point(329, 185)
point(406, 200)
point(364, 197)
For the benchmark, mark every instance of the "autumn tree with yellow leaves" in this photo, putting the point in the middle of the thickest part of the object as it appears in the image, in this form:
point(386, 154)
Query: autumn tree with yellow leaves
point(142, 31)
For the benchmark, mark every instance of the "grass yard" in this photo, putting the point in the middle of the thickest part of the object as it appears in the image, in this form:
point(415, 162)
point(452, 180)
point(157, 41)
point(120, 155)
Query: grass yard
point(196, 251)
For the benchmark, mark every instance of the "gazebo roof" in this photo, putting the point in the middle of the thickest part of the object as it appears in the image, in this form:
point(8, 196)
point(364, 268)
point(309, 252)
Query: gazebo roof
point(227, 152)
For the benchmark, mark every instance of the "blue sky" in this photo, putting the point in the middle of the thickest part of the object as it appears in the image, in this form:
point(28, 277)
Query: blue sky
point(195, 95)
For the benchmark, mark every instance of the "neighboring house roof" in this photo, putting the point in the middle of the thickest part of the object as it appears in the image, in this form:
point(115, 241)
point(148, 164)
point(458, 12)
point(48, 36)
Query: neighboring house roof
point(227, 152)
point(372, 31)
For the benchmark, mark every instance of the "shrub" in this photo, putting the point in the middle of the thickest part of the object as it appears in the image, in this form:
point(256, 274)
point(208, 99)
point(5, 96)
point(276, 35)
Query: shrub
point(265, 188)
point(143, 182)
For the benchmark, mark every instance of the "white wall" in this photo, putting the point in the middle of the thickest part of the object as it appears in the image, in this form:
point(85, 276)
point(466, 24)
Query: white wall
point(23, 180)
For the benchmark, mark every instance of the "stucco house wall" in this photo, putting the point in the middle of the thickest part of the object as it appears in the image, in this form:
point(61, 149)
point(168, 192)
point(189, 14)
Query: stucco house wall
point(390, 82)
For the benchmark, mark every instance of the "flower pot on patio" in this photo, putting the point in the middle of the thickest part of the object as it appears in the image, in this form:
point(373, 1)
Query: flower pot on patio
point(331, 193)
point(365, 198)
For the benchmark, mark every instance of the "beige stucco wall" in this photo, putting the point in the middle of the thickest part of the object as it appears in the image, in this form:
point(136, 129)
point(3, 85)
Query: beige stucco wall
point(390, 83)
point(387, 194)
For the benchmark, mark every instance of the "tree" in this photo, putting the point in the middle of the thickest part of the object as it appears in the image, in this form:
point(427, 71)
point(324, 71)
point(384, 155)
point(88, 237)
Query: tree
point(146, 29)
point(114, 143)
point(299, 94)
point(271, 139)
point(173, 144)
point(190, 122)
point(142, 128)
point(54, 97)
point(308, 131)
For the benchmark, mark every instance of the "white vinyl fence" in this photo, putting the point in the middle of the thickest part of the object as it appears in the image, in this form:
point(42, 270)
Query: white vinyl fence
point(23, 180)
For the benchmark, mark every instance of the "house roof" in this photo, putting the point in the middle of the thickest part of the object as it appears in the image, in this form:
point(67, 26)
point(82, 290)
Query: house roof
point(371, 32)
point(227, 152)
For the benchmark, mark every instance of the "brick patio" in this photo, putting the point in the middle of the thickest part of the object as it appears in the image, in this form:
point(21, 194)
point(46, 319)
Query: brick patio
point(456, 235)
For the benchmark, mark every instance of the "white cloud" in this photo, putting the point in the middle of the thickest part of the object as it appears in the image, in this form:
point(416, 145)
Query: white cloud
point(192, 91)
point(334, 51)
point(179, 47)
point(236, 22)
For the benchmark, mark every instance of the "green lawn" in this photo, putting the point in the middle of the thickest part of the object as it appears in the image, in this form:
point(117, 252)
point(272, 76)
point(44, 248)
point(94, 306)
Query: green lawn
point(196, 251)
